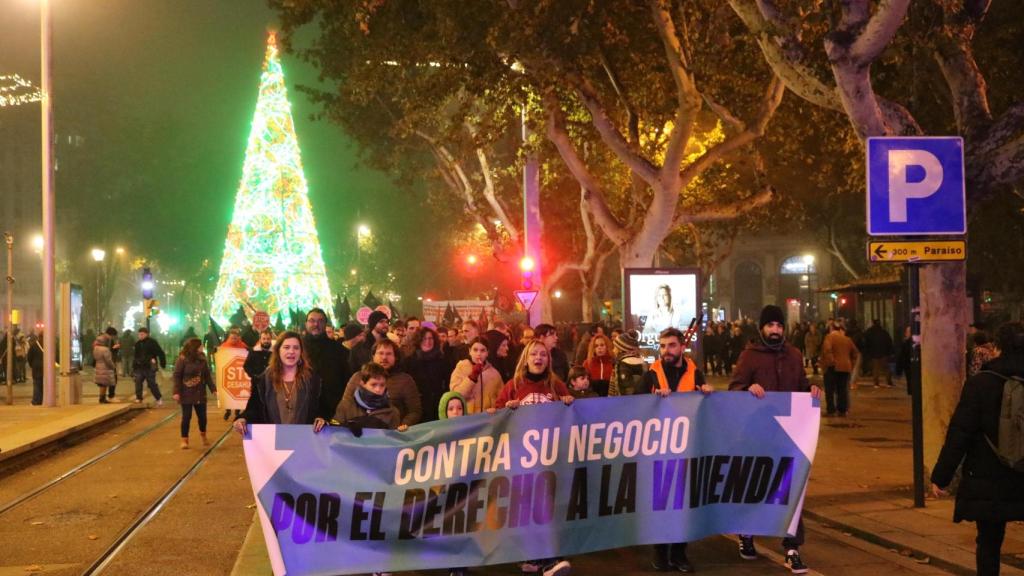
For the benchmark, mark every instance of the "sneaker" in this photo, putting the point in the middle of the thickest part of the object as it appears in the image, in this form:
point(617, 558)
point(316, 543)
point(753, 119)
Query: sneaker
point(681, 564)
point(159, 403)
point(794, 563)
point(747, 550)
point(137, 401)
point(531, 567)
point(558, 568)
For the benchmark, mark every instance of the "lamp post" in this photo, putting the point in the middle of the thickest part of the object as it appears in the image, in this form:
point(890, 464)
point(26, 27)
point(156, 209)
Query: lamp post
point(9, 240)
point(49, 224)
point(98, 254)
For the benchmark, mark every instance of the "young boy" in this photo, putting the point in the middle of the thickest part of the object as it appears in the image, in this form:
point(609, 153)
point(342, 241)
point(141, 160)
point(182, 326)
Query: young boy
point(369, 407)
point(579, 383)
point(452, 405)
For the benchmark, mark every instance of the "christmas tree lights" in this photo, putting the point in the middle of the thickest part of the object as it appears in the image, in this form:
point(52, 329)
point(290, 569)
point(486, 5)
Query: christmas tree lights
point(272, 259)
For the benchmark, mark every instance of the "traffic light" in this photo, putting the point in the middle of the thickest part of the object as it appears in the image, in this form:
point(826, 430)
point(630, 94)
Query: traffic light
point(526, 265)
point(147, 284)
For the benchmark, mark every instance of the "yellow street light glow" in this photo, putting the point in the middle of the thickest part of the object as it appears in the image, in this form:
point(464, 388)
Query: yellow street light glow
point(98, 254)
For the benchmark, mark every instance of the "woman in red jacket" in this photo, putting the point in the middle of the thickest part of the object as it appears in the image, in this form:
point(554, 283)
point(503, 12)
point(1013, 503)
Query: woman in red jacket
point(599, 364)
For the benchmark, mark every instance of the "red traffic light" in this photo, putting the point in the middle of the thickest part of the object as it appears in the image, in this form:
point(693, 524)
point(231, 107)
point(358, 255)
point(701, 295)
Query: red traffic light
point(527, 264)
point(471, 259)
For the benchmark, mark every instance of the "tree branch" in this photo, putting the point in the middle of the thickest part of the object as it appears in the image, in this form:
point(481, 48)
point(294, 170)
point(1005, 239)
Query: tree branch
point(492, 198)
point(769, 104)
point(834, 250)
point(879, 30)
point(688, 99)
point(726, 211)
point(594, 193)
point(784, 53)
point(629, 154)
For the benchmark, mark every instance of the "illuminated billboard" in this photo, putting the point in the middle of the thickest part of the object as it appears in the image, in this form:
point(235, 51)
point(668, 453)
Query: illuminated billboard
point(659, 298)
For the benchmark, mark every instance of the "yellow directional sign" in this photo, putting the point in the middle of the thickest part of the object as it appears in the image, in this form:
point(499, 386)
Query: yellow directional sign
point(917, 251)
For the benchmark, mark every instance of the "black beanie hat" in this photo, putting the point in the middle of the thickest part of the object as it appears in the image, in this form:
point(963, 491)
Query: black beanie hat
point(375, 317)
point(771, 313)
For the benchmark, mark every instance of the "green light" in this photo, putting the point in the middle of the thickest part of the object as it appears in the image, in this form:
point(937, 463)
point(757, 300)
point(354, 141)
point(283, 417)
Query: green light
point(272, 259)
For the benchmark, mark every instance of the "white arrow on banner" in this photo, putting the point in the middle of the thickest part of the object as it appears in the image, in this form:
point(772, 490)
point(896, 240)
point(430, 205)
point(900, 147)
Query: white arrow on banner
point(802, 424)
point(263, 463)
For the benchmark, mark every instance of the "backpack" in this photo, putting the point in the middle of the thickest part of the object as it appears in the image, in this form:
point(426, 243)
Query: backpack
point(1010, 449)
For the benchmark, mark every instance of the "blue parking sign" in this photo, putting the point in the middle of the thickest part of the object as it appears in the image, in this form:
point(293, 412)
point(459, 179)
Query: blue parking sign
point(916, 186)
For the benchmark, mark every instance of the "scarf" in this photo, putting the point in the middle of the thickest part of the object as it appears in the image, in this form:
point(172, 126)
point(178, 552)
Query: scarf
point(370, 402)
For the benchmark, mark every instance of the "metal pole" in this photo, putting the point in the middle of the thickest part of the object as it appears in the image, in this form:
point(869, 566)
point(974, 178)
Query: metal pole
point(532, 224)
point(9, 240)
point(49, 232)
point(914, 381)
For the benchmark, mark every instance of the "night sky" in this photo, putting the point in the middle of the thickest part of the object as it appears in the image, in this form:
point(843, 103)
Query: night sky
point(163, 91)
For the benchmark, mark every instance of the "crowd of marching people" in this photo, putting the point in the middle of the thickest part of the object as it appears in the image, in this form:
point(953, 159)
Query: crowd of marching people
point(398, 373)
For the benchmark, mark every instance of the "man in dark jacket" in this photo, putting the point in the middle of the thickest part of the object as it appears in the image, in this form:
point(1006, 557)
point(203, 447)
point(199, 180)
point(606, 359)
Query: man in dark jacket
point(878, 349)
point(35, 362)
point(990, 493)
point(376, 330)
point(547, 334)
point(259, 357)
point(773, 365)
point(147, 353)
point(328, 357)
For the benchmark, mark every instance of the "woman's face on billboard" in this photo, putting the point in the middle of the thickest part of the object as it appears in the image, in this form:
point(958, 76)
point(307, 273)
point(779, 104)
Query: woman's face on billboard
point(664, 297)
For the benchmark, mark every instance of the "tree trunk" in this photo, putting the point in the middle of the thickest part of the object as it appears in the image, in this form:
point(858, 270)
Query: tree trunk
point(943, 337)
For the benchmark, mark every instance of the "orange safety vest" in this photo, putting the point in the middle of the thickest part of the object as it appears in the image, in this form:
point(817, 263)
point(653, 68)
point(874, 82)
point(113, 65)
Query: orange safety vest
point(688, 383)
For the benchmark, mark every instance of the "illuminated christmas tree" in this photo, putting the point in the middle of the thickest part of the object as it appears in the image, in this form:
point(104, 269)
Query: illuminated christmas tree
point(272, 258)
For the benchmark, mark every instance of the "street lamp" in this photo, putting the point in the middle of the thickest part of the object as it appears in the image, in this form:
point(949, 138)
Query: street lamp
point(9, 353)
point(98, 254)
point(37, 243)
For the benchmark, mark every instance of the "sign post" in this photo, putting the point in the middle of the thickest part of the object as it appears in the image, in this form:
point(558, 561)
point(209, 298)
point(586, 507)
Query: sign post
point(916, 188)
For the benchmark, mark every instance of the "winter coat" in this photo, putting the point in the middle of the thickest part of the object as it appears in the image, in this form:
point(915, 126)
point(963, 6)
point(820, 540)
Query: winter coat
point(105, 366)
point(599, 368)
point(191, 380)
point(145, 352)
point(628, 377)
point(775, 369)
point(529, 392)
point(877, 343)
point(812, 344)
point(256, 362)
point(329, 360)
point(262, 405)
point(403, 393)
point(430, 371)
point(481, 394)
point(838, 352)
point(989, 490)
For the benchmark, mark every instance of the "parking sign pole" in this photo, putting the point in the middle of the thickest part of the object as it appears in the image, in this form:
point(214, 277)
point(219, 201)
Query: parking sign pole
point(914, 383)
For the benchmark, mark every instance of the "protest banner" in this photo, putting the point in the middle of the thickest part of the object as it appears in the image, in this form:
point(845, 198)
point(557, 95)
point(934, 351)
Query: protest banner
point(538, 482)
point(233, 383)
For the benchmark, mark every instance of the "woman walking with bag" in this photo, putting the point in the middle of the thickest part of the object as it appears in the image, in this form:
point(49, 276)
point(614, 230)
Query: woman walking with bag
point(192, 378)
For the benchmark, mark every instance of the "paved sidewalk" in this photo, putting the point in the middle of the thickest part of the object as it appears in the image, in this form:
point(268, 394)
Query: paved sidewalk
point(862, 484)
point(24, 427)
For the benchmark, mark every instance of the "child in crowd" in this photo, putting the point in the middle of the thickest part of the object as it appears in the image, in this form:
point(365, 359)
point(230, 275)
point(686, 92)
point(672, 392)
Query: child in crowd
point(452, 405)
point(370, 406)
point(579, 383)
point(534, 383)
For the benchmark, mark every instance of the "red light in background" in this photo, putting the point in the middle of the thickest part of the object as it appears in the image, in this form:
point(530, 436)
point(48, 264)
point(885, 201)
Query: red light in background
point(527, 264)
point(471, 259)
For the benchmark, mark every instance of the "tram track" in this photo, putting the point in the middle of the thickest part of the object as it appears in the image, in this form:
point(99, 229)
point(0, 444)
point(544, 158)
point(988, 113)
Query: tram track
point(122, 540)
point(7, 506)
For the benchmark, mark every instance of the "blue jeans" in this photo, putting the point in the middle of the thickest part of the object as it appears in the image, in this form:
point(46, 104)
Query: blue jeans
point(186, 418)
point(149, 376)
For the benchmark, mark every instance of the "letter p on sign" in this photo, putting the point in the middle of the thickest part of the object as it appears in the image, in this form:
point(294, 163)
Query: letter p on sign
point(915, 186)
point(901, 189)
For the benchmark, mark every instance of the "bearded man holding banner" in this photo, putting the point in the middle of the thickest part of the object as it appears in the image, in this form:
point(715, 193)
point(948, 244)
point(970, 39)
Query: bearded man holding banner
point(673, 372)
point(775, 366)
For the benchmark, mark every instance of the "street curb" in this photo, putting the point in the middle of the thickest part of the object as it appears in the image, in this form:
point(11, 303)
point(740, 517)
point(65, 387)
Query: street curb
point(933, 560)
point(59, 435)
point(252, 557)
